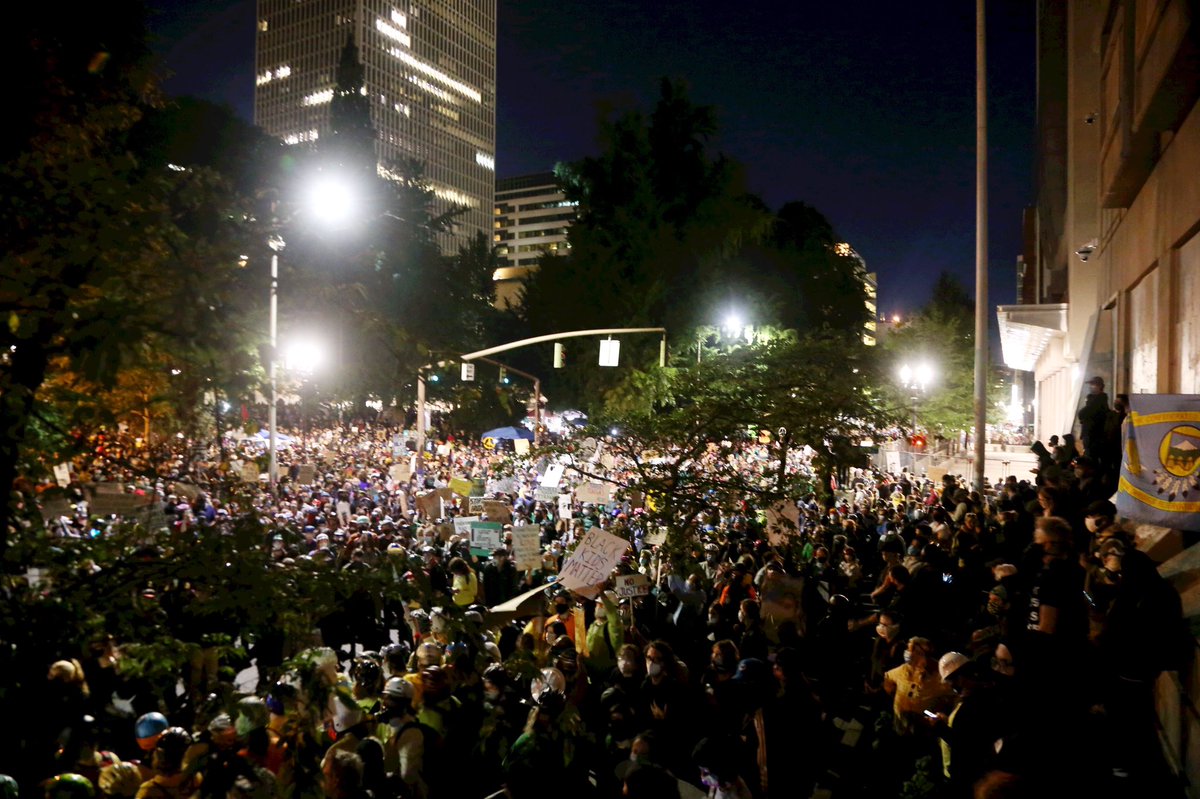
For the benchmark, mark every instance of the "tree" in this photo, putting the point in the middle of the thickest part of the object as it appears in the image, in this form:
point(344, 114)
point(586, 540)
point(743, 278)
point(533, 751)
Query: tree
point(943, 335)
point(803, 391)
point(107, 256)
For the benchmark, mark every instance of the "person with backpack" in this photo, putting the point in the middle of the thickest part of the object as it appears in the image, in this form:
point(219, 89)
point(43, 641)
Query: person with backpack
point(407, 742)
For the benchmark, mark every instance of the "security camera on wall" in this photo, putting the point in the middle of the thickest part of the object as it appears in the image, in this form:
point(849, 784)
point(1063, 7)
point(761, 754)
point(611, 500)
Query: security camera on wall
point(1086, 250)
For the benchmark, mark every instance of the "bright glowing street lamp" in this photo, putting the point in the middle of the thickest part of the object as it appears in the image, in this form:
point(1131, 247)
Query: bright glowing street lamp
point(916, 379)
point(332, 200)
point(303, 356)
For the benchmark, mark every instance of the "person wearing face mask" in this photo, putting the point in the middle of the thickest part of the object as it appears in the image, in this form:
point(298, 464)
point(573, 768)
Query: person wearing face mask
point(915, 687)
point(629, 671)
point(664, 703)
point(500, 725)
point(605, 637)
point(887, 652)
point(1056, 618)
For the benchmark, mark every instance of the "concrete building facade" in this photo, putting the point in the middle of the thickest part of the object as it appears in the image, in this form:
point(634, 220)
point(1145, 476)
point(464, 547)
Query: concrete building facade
point(429, 74)
point(1113, 287)
point(530, 221)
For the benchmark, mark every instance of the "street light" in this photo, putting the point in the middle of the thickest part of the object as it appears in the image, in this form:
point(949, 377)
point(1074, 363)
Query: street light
point(916, 380)
point(303, 356)
point(331, 200)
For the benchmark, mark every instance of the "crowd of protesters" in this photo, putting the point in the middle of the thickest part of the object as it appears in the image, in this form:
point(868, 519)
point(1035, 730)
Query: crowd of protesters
point(907, 637)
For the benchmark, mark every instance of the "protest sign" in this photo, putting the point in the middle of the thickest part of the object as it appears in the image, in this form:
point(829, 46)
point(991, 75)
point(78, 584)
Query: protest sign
point(497, 511)
point(430, 503)
point(475, 504)
point(595, 493)
point(781, 598)
point(187, 491)
point(564, 506)
point(460, 486)
point(462, 526)
point(306, 475)
point(485, 537)
point(249, 472)
point(527, 603)
point(553, 475)
point(657, 538)
point(545, 494)
point(521, 446)
point(526, 546)
point(633, 585)
point(592, 561)
point(62, 474)
point(399, 472)
point(783, 521)
point(502, 485)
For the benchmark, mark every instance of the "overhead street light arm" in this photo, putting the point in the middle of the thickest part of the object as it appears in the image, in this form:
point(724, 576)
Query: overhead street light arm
point(525, 342)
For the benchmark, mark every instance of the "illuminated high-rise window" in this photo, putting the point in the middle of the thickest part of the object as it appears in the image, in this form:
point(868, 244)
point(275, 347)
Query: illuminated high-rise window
point(429, 67)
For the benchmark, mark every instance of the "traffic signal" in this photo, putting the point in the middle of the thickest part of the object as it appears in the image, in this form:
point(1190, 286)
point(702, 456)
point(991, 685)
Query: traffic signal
point(917, 440)
point(560, 356)
point(503, 375)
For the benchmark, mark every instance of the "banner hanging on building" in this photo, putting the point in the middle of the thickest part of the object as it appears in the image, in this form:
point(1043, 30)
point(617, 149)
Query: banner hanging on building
point(1160, 464)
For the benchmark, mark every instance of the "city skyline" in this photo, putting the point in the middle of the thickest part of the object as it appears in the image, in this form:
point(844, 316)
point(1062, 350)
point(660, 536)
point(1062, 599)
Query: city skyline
point(863, 110)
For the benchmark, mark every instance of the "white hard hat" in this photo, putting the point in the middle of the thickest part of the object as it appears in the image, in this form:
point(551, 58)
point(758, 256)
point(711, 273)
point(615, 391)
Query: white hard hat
point(950, 663)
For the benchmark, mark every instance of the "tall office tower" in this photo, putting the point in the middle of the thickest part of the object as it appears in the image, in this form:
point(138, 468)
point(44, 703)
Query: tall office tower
point(428, 75)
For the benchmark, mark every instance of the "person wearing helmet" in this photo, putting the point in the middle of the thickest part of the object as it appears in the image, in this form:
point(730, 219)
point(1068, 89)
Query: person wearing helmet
point(261, 745)
point(148, 728)
point(405, 739)
point(970, 732)
point(170, 780)
point(120, 780)
point(368, 682)
point(347, 724)
point(395, 659)
point(69, 786)
point(440, 709)
point(547, 746)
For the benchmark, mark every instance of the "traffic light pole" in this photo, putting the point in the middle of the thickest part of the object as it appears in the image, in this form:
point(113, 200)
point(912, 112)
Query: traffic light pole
point(537, 396)
point(608, 331)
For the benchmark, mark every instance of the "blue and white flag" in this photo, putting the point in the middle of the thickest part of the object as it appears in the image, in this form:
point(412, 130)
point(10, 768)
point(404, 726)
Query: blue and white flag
point(1160, 464)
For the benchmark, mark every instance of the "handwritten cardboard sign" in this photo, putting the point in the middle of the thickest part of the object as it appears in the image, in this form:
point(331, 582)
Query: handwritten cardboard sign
point(595, 493)
point(527, 546)
point(592, 561)
point(632, 585)
point(521, 446)
point(306, 475)
point(249, 472)
point(497, 511)
point(460, 486)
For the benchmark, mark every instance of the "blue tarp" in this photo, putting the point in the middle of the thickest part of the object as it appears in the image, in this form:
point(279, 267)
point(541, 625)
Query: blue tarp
point(509, 433)
point(280, 438)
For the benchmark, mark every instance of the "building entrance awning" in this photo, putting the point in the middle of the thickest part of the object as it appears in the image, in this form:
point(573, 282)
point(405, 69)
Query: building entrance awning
point(1025, 330)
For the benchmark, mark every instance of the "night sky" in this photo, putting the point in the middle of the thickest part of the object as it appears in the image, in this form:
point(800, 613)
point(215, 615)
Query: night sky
point(865, 110)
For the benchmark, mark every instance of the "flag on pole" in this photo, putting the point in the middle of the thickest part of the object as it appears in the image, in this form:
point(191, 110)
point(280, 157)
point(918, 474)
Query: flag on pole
point(1160, 464)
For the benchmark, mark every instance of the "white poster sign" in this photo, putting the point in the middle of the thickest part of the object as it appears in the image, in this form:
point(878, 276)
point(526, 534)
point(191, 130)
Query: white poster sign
point(592, 561)
point(526, 546)
point(62, 474)
point(632, 585)
point(553, 475)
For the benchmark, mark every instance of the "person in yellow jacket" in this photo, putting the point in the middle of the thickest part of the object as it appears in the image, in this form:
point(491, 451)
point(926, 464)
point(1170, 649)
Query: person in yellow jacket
point(605, 637)
point(464, 582)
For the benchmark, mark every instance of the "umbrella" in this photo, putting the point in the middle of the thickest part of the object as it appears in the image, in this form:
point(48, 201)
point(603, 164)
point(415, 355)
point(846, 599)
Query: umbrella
point(279, 437)
point(509, 433)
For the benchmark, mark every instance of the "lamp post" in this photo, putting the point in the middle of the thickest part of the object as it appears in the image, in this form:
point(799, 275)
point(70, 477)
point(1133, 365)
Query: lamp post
point(916, 380)
point(331, 199)
point(276, 244)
